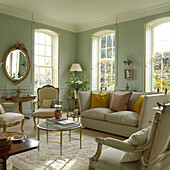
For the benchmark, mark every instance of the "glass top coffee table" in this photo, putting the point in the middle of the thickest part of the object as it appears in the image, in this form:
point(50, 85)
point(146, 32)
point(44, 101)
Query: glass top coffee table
point(49, 127)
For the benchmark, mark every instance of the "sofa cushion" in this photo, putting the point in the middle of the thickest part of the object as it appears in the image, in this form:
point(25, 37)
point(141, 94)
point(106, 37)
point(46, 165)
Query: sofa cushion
point(120, 101)
point(133, 99)
point(128, 118)
point(96, 113)
point(100, 100)
point(138, 104)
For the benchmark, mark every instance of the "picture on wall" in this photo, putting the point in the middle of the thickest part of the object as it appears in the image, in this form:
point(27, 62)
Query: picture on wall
point(128, 74)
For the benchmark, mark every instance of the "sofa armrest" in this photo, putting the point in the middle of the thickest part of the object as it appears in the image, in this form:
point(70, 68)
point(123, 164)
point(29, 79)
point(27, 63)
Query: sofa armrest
point(147, 113)
point(84, 100)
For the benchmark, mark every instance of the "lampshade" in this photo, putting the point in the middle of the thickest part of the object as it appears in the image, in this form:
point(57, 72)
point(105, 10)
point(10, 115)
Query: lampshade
point(76, 67)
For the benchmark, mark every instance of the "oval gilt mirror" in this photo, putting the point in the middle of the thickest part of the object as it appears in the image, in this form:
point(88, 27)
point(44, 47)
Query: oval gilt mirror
point(16, 63)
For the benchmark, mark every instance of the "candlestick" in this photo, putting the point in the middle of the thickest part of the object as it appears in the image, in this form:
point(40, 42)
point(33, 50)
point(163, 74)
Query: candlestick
point(8, 88)
point(29, 88)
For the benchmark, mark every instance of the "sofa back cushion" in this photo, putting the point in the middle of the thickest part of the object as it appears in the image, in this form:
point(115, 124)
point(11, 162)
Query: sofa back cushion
point(133, 99)
point(120, 101)
point(100, 100)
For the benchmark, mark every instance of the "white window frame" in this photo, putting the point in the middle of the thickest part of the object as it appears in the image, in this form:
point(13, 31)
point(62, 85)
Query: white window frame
point(149, 44)
point(96, 52)
point(54, 57)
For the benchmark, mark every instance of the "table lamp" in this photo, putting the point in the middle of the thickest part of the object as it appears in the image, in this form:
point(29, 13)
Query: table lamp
point(76, 68)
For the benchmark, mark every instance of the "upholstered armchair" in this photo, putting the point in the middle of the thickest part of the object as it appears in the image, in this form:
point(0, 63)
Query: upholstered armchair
point(47, 98)
point(148, 150)
point(9, 119)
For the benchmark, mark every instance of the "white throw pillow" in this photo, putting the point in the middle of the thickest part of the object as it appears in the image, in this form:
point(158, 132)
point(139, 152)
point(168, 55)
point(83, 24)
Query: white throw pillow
point(137, 139)
point(140, 137)
point(2, 111)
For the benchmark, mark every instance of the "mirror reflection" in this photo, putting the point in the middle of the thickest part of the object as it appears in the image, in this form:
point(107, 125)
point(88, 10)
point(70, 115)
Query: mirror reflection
point(16, 64)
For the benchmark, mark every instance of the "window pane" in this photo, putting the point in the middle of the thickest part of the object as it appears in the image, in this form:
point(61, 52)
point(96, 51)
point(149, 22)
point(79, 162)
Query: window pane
point(48, 40)
point(48, 50)
point(48, 76)
point(157, 66)
point(103, 53)
point(156, 82)
point(109, 68)
point(36, 60)
point(166, 82)
point(41, 61)
point(41, 50)
point(113, 40)
point(109, 40)
point(48, 61)
point(42, 73)
point(41, 38)
point(103, 42)
point(109, 53)
point(36, 72)
point(166, 65)
point(157, 47)
point(42, 82)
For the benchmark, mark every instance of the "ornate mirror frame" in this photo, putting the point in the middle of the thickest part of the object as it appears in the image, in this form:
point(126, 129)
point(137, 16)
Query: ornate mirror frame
point(18, 46)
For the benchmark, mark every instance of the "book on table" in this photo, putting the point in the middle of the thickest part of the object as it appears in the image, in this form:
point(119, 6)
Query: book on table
point(54, 120)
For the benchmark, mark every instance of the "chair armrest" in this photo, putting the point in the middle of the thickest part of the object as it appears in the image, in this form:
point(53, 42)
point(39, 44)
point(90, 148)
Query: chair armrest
point(117, 144)
point(11, 105)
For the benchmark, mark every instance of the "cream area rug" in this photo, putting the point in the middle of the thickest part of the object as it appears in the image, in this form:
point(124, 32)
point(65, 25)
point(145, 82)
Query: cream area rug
point(48, 158)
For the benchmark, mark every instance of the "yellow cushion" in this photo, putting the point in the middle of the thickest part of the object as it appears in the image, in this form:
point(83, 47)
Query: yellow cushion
point(100, 100)
point(138, 104)
point(46, 103)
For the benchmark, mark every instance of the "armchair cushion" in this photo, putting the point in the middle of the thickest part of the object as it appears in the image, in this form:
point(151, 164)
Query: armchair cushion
point(46, 103)
point(2, 111)
point(54, 101)
point(10, 117)
point(44, 112)
point(137, 139)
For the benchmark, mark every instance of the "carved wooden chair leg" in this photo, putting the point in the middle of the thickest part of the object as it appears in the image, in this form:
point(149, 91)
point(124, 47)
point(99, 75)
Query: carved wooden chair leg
point(22, 125)
point(4, 128)
point(38, 121)
point(34, 122)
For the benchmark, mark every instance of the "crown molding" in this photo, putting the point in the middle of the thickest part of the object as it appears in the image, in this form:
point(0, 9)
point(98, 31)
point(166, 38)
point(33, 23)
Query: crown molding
point(157, 9)
point(37, 18)
point(165, 7)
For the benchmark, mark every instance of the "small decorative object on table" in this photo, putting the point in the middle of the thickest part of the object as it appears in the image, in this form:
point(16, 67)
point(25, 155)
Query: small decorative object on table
point(58, 113)
point(76, 83)
point(18, 92)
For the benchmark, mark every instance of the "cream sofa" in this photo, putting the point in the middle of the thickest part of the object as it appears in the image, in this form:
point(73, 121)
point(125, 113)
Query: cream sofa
point(122, 123)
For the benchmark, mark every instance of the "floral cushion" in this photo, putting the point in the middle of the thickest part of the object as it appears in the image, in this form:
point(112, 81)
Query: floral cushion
point(46, 103)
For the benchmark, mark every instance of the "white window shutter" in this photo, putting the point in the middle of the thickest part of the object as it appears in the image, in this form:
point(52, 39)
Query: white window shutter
point(95, 50)
point(55, 60)
point(148, 61)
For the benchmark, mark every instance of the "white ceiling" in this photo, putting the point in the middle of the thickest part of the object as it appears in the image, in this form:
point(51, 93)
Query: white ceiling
point(79, 15)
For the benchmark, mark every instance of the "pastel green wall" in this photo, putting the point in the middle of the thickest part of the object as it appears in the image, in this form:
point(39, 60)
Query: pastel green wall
point(13, 29)
point(130, 40)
